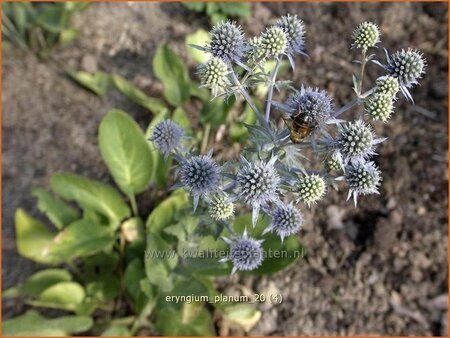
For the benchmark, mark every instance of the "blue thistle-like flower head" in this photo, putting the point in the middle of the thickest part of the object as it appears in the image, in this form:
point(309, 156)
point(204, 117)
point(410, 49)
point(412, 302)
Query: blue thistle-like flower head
point(286, 220)
point(214, 75)
point(246, 253)
point(167, 136)
point(366, 35)
point(295, 32)
point(256, 53)
point(315, 104)
point(227, 42)
point(362, 179)
point(356, 141)
point(200, 175)
point(407, 66)
point(258, 184)
point(274, 41)
point(380, 106)
point(311, 189)
point(220, 208)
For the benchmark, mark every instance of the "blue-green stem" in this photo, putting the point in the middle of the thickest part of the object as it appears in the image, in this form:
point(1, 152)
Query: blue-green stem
point(271, 85)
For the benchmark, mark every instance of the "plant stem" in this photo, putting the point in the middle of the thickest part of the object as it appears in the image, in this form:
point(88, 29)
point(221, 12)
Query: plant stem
point(271, 85)
point(352, 103)
point(134, 207)
point(205, 138)
point(244, 93)
point(361, 76)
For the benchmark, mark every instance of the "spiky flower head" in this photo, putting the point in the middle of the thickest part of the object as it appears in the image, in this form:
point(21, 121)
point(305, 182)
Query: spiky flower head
point(311, 189)
point(274, 41)
point(380, 106)
point(407, 66)
point(246, 253)
point(220, 208)
point(356, 141)
point(258, 184)
point(167, 136)
point(334, 162)
point(200, 175)
point(366, 35)
point(214, 75)
point(256, 52)
point(295, 31)
point(286, 220)
point(315, 104)
point(227, 41)
point(362, 179)
point(387, 85)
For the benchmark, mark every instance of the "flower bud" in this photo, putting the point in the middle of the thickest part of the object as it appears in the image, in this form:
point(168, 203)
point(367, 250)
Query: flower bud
point(362, 179)
point(380, 106)
point(407, 66)
point(214, 75)
point(286, 220)
point(220, 209)
point(387, 85)
point(355, 141)
point(227, 41)
point(274, 41)
point(311, 189)
point(366, 35)
point(295, 32)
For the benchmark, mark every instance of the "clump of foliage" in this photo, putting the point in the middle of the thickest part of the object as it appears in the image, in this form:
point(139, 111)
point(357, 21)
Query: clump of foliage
point(219, 11)
point(118, 267)
point(39, 27)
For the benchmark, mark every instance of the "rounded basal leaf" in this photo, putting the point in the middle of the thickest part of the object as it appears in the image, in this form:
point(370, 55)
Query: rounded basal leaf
point(43, 279)
point(126, 152)
point(64, 295)
point(91, 195)
point(33, 324)
point(32, 238)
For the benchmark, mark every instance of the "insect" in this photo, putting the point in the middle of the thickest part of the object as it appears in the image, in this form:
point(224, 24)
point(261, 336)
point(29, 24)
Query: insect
point(300, 126)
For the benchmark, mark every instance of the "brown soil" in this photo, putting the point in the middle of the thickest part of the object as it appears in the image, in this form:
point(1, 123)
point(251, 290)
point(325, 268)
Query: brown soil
point(377, 269)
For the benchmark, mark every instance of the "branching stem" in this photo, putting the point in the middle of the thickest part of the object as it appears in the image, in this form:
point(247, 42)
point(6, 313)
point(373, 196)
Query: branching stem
point(271, 85)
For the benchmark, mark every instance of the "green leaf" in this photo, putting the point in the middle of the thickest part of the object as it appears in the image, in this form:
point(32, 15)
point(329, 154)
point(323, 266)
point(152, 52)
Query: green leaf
point(239, 9)
point(33, 324)
point(40, 281)
point(100, 264)
point(90, 194)
point(164, 214)
point(195, 6)
point(79, 239)
point(134, 273)
point(200, 38)
point(215, 112)
point(117, 331)
point(33, 237)
point(63, 295)
point(57, 211)
point(160, 260)
point(180, 117)
point(126, 152)
point(156, 106)
point(172, 72)
point(103, 288)
point(192, 320)
point(245, 315)
point(98, 83)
